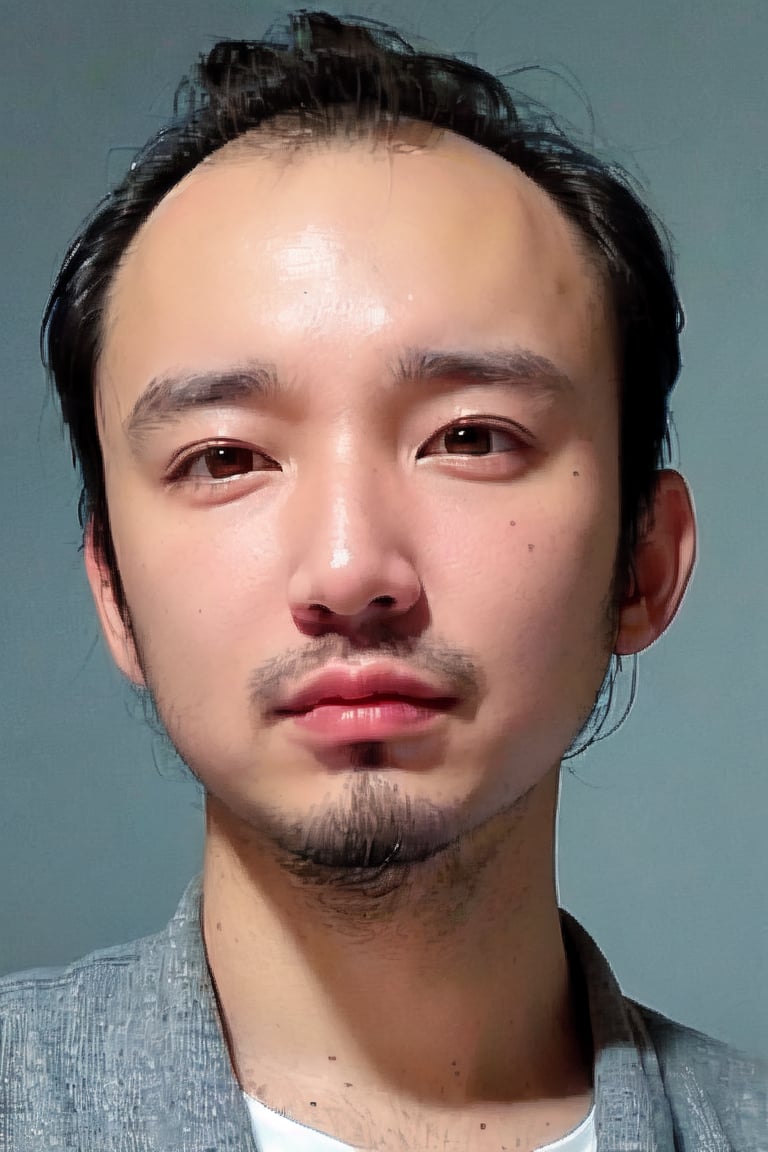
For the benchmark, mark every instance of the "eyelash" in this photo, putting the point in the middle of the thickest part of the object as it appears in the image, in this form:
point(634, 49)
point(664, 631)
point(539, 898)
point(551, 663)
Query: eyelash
point(180, 470)
point(516, 432)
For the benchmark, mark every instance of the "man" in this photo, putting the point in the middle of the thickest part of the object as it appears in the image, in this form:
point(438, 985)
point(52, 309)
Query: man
point(367, 378)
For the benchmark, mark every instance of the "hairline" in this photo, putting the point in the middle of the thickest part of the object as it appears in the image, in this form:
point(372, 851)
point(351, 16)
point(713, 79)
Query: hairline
point(284, 138)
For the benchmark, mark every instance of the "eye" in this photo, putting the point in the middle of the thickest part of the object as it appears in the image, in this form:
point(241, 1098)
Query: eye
point(477, 438)
point(220, 462)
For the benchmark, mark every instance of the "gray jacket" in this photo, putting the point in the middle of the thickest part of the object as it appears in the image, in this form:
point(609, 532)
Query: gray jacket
point(123, 1051)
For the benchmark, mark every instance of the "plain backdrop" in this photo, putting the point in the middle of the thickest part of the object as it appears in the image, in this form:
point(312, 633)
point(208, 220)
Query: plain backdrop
point(663, 844)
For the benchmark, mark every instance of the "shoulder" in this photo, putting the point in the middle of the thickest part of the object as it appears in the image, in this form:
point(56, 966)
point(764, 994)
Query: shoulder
point(64, 1034)
point(122, 1048)
point(658, 1083)
point(84, 1048)
point(713, 1089)
point(47, 1013)
point(118, 985)
point(120, 978)
point(98, 973)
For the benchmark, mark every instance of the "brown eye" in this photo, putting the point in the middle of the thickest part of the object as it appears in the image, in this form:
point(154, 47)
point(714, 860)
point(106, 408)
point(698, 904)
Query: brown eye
point(224, 462)
point(469, 440)
point(473, 440)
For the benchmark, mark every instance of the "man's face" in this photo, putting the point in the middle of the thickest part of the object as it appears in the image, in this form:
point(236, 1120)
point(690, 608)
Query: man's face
point(359, 418)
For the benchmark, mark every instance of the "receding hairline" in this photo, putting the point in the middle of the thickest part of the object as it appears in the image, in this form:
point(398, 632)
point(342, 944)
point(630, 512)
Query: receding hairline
point(296, 136)
point(286, 137)
point(290, 133)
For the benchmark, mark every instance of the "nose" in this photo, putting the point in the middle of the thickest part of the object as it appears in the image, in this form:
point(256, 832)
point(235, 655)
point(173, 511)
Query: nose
point(353, 566)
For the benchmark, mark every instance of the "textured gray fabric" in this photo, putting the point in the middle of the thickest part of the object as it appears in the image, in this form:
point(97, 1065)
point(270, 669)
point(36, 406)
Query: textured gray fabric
point(123, 1051)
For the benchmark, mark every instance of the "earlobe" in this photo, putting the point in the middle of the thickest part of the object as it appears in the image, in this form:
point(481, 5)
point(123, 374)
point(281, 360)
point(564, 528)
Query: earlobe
point(661, 568)
point(116, 631)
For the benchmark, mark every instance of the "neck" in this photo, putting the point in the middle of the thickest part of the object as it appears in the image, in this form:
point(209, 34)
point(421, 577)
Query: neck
point(449, 988)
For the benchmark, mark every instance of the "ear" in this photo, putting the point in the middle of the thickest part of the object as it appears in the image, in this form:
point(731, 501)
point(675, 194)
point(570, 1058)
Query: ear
point(662, 564)
point(117, 631)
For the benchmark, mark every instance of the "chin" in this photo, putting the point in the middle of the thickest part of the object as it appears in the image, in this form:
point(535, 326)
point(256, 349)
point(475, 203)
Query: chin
point(374, 828)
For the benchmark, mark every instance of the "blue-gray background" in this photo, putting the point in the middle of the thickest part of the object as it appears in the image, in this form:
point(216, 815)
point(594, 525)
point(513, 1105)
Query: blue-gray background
point(663, 843)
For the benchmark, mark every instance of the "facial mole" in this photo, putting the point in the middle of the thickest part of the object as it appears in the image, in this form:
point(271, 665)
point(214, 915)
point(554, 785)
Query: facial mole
point(575, 473)
point(531, 547)
point(512, 523)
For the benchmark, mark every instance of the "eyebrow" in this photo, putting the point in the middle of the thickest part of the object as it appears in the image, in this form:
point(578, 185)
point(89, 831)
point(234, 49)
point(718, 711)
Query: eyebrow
point(168, 397)
point(502, 366)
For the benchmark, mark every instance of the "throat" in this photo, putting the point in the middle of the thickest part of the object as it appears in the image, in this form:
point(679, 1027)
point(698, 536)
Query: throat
point(448, 992)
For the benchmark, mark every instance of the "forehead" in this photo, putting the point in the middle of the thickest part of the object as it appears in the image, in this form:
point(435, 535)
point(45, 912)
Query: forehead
point(352, 248)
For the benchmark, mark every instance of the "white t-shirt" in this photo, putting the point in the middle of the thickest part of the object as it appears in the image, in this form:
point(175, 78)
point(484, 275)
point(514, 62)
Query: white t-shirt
point(274, 1132)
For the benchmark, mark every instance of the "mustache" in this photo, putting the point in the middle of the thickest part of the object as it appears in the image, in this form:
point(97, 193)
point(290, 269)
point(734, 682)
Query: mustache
point(451, 666)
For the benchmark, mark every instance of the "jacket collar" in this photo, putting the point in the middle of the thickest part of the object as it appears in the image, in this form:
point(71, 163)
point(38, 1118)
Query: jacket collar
point(631, 1109)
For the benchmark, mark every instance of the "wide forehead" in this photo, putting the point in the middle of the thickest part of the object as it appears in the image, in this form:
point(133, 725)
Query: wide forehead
point(354, 237)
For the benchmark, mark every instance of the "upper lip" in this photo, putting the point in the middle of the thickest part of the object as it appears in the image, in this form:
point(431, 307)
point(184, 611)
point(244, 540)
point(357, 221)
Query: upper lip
point(336, 685)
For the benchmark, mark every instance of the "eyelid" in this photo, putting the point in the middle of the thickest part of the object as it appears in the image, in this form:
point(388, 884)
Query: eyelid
point(177, 471)
point(519, 432)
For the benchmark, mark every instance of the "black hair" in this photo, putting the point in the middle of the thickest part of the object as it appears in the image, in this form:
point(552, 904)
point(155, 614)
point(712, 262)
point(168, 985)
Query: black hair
point(330, 74)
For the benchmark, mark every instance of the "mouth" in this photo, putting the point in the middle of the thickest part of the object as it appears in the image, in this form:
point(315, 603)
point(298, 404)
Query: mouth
point(357, 705)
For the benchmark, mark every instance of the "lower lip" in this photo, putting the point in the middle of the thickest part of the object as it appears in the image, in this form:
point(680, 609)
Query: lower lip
point(351, 723)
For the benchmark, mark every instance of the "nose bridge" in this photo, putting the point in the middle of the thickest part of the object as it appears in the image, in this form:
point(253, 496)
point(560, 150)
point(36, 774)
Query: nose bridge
point(346, 514)
point(359, 504)
point(351, 545)
point(349, 508)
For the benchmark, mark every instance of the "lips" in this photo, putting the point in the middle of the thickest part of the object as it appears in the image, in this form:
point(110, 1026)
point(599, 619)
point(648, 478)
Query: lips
point(349, 705)
point(348, 685)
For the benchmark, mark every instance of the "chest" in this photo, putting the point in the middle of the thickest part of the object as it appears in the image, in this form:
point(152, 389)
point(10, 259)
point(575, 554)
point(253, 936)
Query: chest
point(403, 1127)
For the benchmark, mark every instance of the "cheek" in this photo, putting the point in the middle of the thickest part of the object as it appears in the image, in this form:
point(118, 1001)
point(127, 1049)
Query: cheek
point(204, 595)
point(528, 576)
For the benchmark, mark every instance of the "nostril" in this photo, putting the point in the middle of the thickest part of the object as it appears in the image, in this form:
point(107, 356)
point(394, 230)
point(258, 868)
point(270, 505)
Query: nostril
point(384, 601)
point(319, 608)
